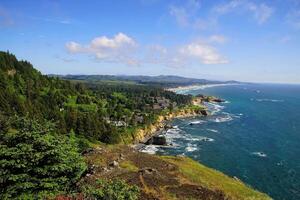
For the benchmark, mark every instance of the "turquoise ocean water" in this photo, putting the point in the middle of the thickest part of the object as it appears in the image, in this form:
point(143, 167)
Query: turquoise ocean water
point(254, 135)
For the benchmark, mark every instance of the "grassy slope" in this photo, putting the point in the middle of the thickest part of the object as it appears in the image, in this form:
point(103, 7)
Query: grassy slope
point(213, 179)
point(173, 177)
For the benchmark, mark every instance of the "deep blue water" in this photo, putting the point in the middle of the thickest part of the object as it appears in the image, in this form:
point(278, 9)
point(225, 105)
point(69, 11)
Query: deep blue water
point(255, 136)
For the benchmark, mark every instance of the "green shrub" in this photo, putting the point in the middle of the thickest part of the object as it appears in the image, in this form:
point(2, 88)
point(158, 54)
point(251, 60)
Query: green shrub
point(112, 190)
point(36, 162)
point(4, 124)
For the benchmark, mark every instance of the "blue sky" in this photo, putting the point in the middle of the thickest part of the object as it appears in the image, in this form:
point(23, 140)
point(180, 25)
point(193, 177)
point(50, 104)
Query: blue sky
point(246, 40)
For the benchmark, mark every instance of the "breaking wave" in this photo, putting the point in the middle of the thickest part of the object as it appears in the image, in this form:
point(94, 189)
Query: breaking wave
point(212, 130)
point(259, 154)
point(191, 148)
point(150, 149)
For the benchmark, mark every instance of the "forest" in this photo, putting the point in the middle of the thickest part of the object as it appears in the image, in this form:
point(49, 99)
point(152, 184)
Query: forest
point(46, 123)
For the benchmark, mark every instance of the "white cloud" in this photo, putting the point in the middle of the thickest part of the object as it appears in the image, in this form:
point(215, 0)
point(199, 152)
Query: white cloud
point(189, 14)
point(184, 14)
point(117, 42)
point(123, 49)
point(74, 47)
point(119, 48)
point(180, 15)
point(228, 7)
point(202, 52)
point(261, 12)
point(217, 39)
point(293, 18)
point(285, 39)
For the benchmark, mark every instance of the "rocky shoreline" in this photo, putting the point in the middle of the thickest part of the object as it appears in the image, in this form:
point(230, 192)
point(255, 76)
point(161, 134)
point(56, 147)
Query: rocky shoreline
point(161, 125)
point(154, 133)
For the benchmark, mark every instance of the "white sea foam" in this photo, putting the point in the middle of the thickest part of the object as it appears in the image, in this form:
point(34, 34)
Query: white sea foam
point(150, 149)
point(206, 139)
point(269, 100)
point(219, 119)
point(174, 133)
point(214, 108)
point(197, 122)
point(212, 130)
point(259, 154)
point(199, 138)
point(191, 148)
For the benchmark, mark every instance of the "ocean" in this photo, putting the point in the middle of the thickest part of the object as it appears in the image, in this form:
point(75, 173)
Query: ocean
point(254, 136)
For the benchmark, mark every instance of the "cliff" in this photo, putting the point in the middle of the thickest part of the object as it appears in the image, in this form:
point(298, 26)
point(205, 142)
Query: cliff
point(142, 134)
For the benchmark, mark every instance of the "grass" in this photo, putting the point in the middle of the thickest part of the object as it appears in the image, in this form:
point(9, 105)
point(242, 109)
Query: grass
point(213, 179)
point(129, 166)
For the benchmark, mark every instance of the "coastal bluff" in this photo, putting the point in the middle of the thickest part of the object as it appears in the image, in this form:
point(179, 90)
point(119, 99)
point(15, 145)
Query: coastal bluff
point(143, 134)
point(165, 177)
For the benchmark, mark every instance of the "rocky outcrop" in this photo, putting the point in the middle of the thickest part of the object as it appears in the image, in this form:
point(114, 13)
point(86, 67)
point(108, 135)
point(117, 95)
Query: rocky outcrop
point(203, 98)
point(157, 140)
point(144, 134)
point(204, 112)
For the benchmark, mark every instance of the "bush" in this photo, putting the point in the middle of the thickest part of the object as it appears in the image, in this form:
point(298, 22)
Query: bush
point(112, 190)
point(35, 162)
point(4, 124)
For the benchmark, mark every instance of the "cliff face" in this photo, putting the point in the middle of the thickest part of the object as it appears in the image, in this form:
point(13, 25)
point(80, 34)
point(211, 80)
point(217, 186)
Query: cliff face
point(142, 134)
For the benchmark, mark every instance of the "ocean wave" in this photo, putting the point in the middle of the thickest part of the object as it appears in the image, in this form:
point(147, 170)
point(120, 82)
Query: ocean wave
point(214, 108)
point(200, 138)
point(220, 119)
point(174, 134)
point(212, 130)
point(206, 139)
point(259, 154)
point(150, 149)
point(191, 148)
point(226, 102)
point(269, 100)
point(197, 122)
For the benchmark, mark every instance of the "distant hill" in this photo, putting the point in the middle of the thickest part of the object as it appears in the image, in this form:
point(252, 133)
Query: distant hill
point(162, 80)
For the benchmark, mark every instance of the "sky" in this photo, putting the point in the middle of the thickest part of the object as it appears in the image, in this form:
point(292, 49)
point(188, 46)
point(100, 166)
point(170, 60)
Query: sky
point(245, 40)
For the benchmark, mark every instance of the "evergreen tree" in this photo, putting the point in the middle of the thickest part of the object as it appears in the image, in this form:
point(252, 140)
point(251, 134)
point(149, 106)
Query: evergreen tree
point(36, 162)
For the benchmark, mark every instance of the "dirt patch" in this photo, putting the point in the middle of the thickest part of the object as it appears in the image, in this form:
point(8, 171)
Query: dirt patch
point(195, 192)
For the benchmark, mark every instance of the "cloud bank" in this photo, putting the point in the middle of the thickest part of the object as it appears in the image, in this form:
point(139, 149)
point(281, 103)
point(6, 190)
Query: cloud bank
point(190, 14)
point(122, 48)
point(119, 48)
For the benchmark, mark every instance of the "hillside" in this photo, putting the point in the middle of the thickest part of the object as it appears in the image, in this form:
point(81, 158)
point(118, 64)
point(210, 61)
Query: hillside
point(101, 112)
point(162, 80)
point(165, 177)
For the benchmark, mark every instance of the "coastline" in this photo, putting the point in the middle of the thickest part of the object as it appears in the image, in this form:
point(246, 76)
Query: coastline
point(142, 135)
point(181, 89)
